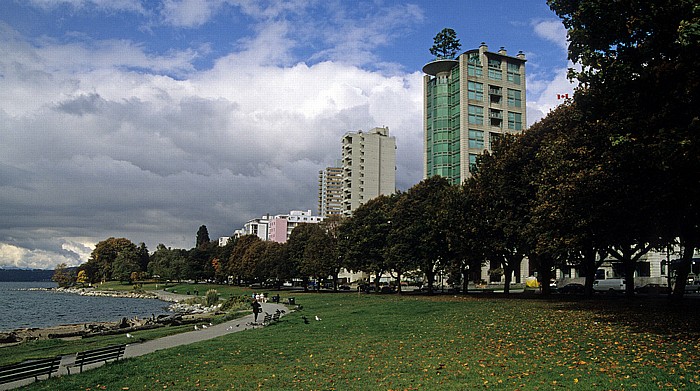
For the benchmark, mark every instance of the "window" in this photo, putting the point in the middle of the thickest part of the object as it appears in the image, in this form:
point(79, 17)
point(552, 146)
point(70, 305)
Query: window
point(473, 58)
point(474, 65)
point(476, 91)
point(493, 138)
point(495, 94)
point(472, 162)
point(514, 73)
point(476, 139)
point(515, 121)
point(476, 115)
point(495, 70)
point(474, 70)
point(495, 117)
point(514, 99)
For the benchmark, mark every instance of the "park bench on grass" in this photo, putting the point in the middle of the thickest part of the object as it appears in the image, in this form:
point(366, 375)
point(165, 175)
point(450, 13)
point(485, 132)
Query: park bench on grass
point(28, 369)
point(113, 352)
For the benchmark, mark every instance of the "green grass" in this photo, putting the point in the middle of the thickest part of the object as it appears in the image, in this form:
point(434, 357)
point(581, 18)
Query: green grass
point(431, 343)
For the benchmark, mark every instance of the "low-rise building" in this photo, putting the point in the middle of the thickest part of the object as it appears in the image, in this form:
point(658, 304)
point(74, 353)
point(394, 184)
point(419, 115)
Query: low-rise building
point(281, 226)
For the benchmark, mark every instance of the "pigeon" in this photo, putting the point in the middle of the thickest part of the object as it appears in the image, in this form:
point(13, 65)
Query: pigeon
point(317, 318)
point(129, 335)
point(204, 326)
point(195, 327)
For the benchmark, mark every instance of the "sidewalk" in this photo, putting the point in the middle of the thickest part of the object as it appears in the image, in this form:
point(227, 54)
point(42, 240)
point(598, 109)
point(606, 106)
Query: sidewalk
point(143, 348)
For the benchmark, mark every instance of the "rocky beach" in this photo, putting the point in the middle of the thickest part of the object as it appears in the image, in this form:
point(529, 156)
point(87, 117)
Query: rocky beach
point(181, 313)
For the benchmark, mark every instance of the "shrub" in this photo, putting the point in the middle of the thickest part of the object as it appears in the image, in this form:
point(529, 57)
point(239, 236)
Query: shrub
point(211, 298)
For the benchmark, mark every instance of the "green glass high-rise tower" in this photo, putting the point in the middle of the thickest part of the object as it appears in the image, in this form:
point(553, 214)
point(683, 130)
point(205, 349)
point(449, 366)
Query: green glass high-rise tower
point(468, 103)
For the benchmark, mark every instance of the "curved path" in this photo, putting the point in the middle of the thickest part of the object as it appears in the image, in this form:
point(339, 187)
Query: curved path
point(142, 348)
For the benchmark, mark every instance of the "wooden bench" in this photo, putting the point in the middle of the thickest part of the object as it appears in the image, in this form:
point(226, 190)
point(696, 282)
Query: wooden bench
point(113, 352)
point(28, 369)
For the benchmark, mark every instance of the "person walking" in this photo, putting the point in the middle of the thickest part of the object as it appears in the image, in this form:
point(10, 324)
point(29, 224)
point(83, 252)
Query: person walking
point(257, 308)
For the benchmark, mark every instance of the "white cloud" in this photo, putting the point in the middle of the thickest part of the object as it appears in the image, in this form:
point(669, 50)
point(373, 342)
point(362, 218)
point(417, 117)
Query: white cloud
point(99, 151)
point(189, 13)
point(548, 87)
point(553, 31)
point(548, 93)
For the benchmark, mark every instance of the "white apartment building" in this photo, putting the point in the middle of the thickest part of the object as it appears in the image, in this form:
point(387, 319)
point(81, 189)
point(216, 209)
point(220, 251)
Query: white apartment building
point(369, 167)
point(258, 227)
point(330, 191)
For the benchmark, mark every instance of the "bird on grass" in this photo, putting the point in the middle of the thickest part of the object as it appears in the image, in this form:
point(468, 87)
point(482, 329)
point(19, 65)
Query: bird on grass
point(317, 318)
point(196, 327)
point(306, 320)
point(129, 335)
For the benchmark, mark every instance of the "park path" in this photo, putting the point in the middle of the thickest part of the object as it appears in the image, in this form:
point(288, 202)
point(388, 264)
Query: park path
point(171, 341)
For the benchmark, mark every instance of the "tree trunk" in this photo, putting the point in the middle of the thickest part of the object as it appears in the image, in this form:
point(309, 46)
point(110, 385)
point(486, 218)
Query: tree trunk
point(629, 265)
point(465, 279)
point(683, 270)
point(430, 276)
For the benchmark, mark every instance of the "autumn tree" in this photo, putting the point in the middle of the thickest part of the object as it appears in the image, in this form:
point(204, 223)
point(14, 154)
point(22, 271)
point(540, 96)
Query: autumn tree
point(639, 74)
point(363, 238)
point(296, 249)
point(322, 254)
point(445, 44)
point(236, 264)
point(126, 263)
point(62, 276)
point(101, 261)
point(167, 263)
point(419, 228)
point(82, 277)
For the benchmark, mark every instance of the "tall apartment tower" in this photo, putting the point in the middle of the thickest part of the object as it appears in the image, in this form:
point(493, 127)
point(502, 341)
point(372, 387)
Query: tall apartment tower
point(330, 191)
point(369, 167)
point(468, 103)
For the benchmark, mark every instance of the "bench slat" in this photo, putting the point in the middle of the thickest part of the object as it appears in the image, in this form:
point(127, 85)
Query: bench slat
point(29, 369)
point(105, 354)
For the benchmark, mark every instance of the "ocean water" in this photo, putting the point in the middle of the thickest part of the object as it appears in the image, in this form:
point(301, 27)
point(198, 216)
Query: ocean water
point(22, 308)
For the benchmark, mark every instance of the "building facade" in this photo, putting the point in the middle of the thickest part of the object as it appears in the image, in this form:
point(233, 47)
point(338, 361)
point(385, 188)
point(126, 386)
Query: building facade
point(258, 227)
point(369, 167)
point(330, 191)
point(468, 103)
point(281, 226)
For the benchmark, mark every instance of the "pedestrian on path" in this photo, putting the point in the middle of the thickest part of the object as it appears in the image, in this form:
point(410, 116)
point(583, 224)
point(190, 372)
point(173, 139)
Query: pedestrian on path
point(257, 308)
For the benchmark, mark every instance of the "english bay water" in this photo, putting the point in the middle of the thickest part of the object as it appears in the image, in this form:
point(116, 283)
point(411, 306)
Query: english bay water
point(22, 308)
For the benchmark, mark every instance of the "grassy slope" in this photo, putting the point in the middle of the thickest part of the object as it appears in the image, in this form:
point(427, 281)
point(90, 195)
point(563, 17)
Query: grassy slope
point(432, 343)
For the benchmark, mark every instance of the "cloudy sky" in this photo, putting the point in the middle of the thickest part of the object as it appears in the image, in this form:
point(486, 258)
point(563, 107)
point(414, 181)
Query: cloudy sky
point(145, 119)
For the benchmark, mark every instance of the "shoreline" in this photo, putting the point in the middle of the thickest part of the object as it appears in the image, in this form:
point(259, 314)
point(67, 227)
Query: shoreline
point(78, 330)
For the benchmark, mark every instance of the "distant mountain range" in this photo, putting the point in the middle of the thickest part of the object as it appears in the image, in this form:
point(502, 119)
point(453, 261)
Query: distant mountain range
point(25, 275)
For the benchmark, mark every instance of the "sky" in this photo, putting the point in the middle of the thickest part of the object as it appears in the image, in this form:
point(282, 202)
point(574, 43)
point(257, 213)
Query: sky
point(147, 119)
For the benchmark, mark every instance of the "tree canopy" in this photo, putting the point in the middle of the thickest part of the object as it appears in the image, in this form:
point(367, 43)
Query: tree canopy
point(445, 44)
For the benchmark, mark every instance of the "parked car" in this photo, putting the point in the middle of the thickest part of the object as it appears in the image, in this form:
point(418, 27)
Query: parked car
point(692, 287)
point(653, 289)
point(572, 289)
point(609, 285)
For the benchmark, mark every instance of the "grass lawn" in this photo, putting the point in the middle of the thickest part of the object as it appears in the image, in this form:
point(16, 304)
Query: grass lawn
point(386, 342)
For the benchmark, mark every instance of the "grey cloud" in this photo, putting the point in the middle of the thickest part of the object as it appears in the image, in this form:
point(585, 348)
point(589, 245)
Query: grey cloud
point(84, 104)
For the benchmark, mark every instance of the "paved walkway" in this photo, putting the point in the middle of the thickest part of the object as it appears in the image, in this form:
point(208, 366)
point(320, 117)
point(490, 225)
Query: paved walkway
point(143, 348)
